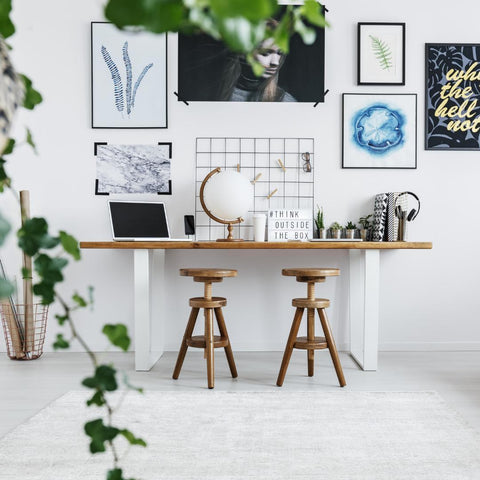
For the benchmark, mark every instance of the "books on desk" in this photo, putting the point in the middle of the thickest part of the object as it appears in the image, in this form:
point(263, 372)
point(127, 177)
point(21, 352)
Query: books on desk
point(335, 240)
point(385, 222)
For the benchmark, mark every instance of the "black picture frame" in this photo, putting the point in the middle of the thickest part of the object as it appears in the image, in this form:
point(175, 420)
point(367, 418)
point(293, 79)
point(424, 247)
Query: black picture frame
point(381, 59)
point(450, 122)
point(129, 84)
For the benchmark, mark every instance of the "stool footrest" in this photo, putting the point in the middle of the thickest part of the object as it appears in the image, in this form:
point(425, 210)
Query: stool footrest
point(304, 344)
point(311, 303)
point(198, 341)
point(202, 302)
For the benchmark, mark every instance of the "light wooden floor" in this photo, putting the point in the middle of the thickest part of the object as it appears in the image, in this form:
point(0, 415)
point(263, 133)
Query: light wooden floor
point(27, 387)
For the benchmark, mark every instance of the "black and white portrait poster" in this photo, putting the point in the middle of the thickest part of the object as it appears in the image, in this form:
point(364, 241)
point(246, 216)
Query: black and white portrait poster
point(452, 96)
point(208, 71)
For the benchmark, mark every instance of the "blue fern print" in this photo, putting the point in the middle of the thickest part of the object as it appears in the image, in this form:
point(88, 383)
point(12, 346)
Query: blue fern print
point(117, 80)
point(128, 70)
point(139, 79)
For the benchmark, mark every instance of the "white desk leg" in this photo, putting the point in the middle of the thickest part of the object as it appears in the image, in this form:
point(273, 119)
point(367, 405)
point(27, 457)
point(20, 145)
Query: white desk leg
point(364, 307)
point(144, 358)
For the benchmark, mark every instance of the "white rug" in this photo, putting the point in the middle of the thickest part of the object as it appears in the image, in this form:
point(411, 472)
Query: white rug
point(279, 435)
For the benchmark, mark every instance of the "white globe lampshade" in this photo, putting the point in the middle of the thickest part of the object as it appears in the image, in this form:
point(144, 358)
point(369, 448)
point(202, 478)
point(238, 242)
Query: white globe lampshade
point(228, 195)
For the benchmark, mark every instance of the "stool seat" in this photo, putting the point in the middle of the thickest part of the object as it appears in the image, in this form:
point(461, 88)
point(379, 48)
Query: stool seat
point(208, 272)
point(311, 302)
point(199, 341)
point(310, 275)
point(303, 343)
point(202, 302)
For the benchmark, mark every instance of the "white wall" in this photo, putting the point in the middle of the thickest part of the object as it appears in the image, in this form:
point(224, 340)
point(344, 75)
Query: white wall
point(428, 298)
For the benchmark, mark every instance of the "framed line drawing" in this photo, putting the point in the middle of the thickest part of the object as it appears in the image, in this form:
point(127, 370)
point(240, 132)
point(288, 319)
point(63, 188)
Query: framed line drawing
point(381, 54)
point(379, 130)
point(452, 96)
point(133, 169)
point(129, 78)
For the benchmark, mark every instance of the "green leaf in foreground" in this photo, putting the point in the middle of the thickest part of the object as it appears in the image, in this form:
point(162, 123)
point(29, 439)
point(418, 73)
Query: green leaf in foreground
point(103, 379)
point(99, 433)
point(7, 28)
point(118, 335)
point(32, 96)
point(132, 439)
point(34, 235)
point(29, 140)
point(5, 228)
point(60, 342)
point(70, 244)
point(6, 288)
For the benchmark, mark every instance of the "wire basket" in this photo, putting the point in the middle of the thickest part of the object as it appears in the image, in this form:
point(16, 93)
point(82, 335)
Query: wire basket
point(24, 327)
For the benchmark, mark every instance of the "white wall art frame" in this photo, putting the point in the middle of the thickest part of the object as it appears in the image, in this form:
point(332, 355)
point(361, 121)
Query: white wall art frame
point(129, 78)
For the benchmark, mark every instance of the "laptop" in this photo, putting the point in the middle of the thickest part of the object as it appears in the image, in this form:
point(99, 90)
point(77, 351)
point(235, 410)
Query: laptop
point(135, 221)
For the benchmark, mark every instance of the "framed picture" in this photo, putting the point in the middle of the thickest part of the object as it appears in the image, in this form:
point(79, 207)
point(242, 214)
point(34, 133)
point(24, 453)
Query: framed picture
point(381, 54)
point(379, 130)
point(133, 169)
point(129, 78)
point(208, 71)
point(452, 96)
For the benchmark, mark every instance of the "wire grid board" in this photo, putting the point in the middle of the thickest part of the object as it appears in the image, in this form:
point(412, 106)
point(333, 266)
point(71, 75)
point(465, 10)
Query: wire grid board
point(254, 156)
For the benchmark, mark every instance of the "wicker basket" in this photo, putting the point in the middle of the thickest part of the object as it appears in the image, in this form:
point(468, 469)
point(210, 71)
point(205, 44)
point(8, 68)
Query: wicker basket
point(24, 339)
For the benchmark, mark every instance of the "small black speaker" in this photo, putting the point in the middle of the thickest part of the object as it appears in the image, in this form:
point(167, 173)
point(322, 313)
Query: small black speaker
point(189, 222)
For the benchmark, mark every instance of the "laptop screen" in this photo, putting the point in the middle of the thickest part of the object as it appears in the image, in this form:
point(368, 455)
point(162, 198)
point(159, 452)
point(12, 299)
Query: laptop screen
point(138, 220)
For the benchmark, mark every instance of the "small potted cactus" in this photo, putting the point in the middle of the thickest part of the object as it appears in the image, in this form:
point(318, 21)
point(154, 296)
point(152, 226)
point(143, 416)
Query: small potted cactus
point(336, 230)
point(322, 232)
point(350, 228)
point(366, 227)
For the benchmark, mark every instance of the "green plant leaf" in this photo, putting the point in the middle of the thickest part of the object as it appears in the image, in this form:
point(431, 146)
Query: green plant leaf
point(103, 379)
point(313, 12)
point(115, 474)
point(97, 399)
point(99, 433)
point(5, 228)
point(7, 28)
point(29, 140)
point(308, 34)
point(4, 178)
point(132, 439)
point(283, 32)
point(9, 147)
point(252, 10)
point(33, 236)
point(240, 35)
point(118, 335)
point(60, 342)
point(32, 97)
point(80, 301)
point(61, 319)
point(158, 16)
point(50, 269)
point(70, 244)
point(6, 288)
point(46, 291)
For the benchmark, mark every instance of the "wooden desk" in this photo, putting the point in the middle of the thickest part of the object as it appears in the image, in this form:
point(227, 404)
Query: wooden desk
point(364, 260)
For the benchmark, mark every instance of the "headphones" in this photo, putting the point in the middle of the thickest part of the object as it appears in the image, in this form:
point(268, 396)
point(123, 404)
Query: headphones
point(401, 213)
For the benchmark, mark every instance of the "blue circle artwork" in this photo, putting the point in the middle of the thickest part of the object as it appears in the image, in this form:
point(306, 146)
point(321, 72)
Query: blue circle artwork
point(378, 129)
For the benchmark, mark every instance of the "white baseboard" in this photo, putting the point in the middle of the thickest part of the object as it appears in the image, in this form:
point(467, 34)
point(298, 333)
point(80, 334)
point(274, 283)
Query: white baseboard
point(429, 346)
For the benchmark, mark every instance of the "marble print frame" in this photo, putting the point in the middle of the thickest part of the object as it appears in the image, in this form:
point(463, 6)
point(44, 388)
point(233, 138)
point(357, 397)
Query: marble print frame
point(379, 130)
point(149, 165)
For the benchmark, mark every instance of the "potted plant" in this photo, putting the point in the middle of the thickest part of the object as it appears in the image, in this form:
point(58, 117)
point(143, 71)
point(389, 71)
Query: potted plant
point(366, 226)
point(350, 228)
point(322, 232)
point(336, 230)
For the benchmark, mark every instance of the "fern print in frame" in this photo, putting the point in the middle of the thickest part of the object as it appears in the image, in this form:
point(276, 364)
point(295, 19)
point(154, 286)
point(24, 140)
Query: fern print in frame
point(381, 54)
point(129, 78)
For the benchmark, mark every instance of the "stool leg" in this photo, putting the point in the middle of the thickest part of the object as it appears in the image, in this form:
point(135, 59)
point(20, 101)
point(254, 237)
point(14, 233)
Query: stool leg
point(184, 346)
point(209, 347)
point(228, 349)
point(289, 348)
point(332, 348)
point(310, 338)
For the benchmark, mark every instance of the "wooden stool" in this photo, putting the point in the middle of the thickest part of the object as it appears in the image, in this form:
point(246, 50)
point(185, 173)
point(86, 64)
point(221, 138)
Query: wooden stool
point(209, 304)
point(310, 342)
